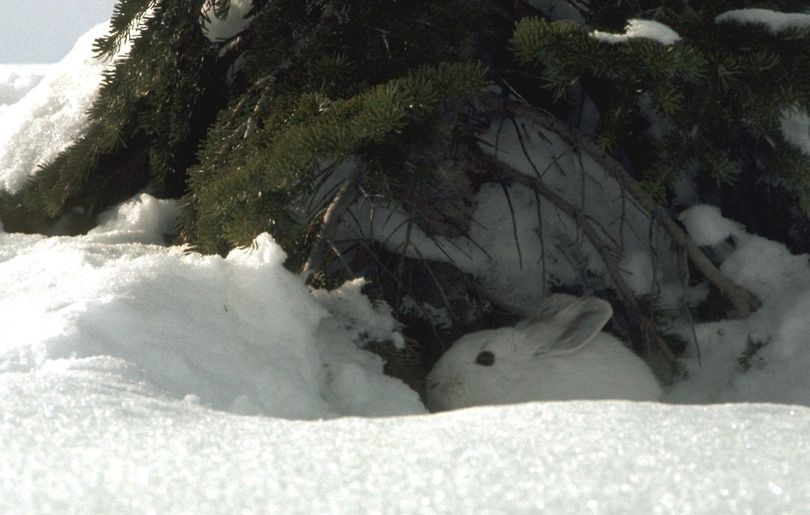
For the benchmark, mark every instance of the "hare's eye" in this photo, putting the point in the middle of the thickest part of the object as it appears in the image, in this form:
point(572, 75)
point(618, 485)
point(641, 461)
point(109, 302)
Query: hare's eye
point(485, 358)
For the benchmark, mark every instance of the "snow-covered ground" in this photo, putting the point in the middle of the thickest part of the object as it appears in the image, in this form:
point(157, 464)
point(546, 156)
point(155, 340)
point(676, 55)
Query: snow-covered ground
point(140, 378)
point(128, 371)
point(88, 438)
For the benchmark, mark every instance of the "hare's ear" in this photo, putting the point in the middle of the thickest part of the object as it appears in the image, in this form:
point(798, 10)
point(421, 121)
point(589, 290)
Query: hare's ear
point(566, 324)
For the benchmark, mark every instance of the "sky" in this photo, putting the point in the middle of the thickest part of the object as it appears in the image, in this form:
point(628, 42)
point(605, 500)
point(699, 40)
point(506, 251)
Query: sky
point(43, 31)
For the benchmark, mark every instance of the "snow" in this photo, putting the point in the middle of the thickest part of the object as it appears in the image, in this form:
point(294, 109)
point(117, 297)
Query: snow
point(141, 378)
point(142, 219)
point(706, 227)
point(349, 302)
point(46, 119)
point(17, 80)
point(98, 441)
point(639, 272)
point(218, 30)
point(647, 29)
point(774, 21)
point(127, 370)
point(762, 358)
point(796, 128)
point(240, 333)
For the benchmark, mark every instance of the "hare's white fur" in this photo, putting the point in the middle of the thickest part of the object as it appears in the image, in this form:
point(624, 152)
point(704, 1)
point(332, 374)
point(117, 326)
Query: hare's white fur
point(559, 354)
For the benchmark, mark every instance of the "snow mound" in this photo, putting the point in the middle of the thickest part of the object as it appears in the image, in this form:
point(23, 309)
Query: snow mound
point(706, 226)
point(89, 437)
point(143, 219)
point(764, 357)
point(647, 29)
point(50, 116)
point(126, 370)
point(240, 333)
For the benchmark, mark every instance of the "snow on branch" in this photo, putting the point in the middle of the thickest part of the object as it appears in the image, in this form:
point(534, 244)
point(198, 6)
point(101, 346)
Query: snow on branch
point(646, 29)
point(775, 21)
point(795, 126)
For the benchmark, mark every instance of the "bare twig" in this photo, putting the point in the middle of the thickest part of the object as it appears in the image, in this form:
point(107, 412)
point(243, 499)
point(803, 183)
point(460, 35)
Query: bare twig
point(434, 277)
point(542, 242)
point(383, 268)
point(252, 122)
point(246, 128)
point(514, 224)
point(332, 219)
point(602, 247)
point(744, 301)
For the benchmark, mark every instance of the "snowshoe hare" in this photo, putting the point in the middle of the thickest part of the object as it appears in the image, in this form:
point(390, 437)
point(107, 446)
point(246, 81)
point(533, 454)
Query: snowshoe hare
point(559, 354)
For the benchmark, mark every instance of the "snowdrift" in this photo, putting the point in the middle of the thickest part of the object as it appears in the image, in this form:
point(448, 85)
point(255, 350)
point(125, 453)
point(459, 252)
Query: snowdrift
point(51, 114)
point(87, 437)
point(127, 371)
point(241, 333)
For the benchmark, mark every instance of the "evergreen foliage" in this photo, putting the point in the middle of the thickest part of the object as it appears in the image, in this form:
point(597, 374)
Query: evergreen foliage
point(298, 107)
point(305, 110)
point(260, 179)
point(719, 93)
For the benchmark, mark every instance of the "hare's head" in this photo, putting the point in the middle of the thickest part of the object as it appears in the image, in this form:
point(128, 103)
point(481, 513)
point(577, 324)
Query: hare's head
point(493, 367)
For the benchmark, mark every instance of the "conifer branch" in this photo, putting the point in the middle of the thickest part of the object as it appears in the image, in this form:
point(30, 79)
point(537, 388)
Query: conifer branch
point(510, 10)
point(251, 123)
point(245, 129)
point(744, 301)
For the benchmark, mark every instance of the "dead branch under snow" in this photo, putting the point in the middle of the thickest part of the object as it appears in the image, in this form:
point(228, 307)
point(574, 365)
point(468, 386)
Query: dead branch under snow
point(744, 301)
point(348, 192)
point(504, 171)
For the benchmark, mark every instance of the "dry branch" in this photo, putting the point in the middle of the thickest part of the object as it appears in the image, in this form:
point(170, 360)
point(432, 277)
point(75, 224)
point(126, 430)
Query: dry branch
point(332, 218)
point(605, 250)
point(744, 301)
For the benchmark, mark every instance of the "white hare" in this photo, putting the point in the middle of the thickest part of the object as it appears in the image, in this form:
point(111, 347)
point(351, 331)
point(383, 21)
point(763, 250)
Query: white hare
point(558, 354)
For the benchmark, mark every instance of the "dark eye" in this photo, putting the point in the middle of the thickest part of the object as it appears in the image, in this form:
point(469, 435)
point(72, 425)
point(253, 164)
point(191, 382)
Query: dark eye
point(485, 358)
